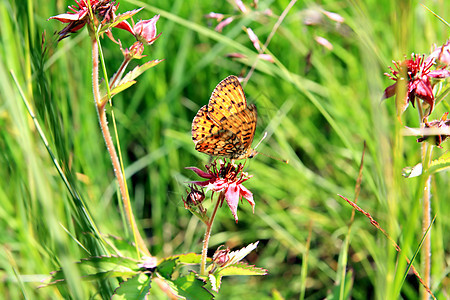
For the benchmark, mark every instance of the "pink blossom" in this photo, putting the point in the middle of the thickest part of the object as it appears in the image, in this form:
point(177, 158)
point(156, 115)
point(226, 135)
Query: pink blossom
point(224, 23)
point(226, 178)
point(145, 30)
point(418, 75)
point(441, 54)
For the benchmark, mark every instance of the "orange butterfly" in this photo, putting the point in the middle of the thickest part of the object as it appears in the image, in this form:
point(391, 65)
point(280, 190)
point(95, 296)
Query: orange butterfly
point(226, 125)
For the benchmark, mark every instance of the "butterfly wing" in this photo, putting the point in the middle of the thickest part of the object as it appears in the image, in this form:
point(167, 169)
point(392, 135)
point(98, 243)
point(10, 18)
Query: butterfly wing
point(221, 143)
point(243, 125)
point(226, 126)
point(202, 125)
point(227, 99)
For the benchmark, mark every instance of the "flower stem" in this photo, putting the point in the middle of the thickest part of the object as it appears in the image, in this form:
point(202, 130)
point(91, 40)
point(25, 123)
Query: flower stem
point(426, 207)
point(100, 106)
point(426, 218)
point(208, 234)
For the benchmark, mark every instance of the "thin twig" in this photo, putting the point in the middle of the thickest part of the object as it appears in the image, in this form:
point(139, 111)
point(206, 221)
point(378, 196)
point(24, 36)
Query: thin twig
point(397, 248)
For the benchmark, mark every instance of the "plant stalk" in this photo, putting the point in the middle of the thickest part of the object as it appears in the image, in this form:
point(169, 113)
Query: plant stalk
point(208, 234)
point(426, 219)
point(426, 207)
point(101, 112)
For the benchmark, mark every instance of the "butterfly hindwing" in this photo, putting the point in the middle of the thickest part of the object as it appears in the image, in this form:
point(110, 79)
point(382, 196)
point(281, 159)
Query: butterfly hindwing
point(222, 143)
point(202, 125)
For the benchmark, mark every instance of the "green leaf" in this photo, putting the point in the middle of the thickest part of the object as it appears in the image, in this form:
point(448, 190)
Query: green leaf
point(440, 164)
point(100, 267)
point(137, 287)
point(237, 256)
point(188, 258)
point(215, 280)
point(120, 246)
point(119, 18)
point(138, 70)
point(335, 292)
point(166, 267)
point(121, 86)
point(242, 269)
point(192, 287)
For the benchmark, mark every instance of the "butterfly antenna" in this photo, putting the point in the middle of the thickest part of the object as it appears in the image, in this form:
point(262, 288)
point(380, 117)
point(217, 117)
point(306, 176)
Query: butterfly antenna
point(265, 135)
point(256, 152)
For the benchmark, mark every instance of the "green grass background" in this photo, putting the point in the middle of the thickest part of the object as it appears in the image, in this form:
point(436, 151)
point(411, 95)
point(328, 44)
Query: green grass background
point(316, 118)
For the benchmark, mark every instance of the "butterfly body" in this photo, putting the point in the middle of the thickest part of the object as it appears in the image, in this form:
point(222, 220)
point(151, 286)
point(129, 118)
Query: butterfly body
point(226, 125)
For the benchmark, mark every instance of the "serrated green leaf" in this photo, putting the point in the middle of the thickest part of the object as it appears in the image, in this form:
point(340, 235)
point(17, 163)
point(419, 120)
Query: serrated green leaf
point(137, 287)
point(237, 256)
point(241, 269)
point(215, 280)
point(122, 86)
point(188, 258)
point(440, 164)
point(138, 70)
point(192, 287)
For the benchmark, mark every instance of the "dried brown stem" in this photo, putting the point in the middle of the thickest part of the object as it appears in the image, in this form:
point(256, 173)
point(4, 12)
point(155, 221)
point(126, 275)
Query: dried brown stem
point(397, 247)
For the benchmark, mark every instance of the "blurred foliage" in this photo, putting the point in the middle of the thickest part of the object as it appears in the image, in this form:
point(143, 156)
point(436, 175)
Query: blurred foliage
point(317, 105)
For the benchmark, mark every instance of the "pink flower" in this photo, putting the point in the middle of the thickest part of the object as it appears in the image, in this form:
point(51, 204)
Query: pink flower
point(221, 257)
point(77, 16)
point(224, 23)
point(418, 83)
point(213, 15)
point(103, 10)
point(441, 54)
point(227, 179)
point(145, 30)
point(254, 39)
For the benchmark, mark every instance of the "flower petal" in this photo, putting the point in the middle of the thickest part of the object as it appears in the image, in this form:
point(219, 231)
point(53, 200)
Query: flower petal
point(441, 73)
point(66, 18)
point(200, 172)
point(145, 30)
point(244, 192)
point(389, 91)
point(425, 92)
point(232, 197)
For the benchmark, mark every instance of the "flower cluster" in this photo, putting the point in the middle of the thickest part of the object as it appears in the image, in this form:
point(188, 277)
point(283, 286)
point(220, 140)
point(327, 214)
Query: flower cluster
point(104, 13)
point(415, 79)
point(417, 76)
point(226, 178)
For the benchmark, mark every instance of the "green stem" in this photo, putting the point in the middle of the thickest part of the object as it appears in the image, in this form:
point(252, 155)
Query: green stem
point(100, 105)
point(208, 234)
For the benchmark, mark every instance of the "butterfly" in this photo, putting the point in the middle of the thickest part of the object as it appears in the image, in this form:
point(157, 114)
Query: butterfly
point(226, 125)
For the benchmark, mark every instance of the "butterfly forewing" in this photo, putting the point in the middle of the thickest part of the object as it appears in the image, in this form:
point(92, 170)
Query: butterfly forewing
point(227, 99)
